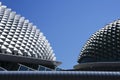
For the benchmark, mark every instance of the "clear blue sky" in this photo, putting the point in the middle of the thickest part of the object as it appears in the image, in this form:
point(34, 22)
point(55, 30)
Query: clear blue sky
point(67, 24)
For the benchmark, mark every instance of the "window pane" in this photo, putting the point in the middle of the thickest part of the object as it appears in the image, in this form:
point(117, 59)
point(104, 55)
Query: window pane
point(23, 68)
point(41, 68)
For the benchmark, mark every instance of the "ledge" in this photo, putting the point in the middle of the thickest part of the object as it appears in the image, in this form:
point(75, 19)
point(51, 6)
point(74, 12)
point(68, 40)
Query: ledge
point(98, 66)
point(29, 60)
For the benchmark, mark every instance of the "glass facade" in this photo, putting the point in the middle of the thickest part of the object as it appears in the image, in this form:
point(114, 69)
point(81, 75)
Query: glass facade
point(14, 66)
point(43, 68)
point(22, 67)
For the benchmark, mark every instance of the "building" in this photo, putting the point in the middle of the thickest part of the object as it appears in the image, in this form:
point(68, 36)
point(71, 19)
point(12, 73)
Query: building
point(22, 45)
point(26, 54)
point(102, 50)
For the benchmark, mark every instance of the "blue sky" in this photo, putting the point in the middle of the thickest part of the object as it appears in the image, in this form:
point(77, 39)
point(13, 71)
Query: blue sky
point(67, 24)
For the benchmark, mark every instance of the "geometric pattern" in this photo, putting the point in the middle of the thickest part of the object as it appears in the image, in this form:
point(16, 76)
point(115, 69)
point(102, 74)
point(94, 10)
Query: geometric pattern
point(20, 37)
point(103, 46)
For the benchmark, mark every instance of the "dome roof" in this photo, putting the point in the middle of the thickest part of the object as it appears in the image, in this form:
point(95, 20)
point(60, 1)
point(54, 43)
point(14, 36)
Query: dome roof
point(103, 46)
point(20, 37)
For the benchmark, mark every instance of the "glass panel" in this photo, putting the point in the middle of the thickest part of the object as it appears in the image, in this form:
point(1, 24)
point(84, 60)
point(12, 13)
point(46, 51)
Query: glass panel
point(41, 68)
point(23, 68)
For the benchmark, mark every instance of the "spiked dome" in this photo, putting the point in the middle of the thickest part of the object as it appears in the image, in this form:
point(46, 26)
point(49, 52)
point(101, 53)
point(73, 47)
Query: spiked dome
point(104, 45)
point(102, 50)
point(21, 38)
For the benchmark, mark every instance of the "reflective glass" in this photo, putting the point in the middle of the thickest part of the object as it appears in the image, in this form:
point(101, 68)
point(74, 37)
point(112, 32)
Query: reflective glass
point(23, 68)
point(41, 68)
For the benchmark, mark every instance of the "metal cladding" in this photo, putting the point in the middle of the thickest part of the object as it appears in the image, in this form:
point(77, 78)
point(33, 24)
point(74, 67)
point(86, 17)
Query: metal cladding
point(59, 75)
point(20, 37)
point(103, 46)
